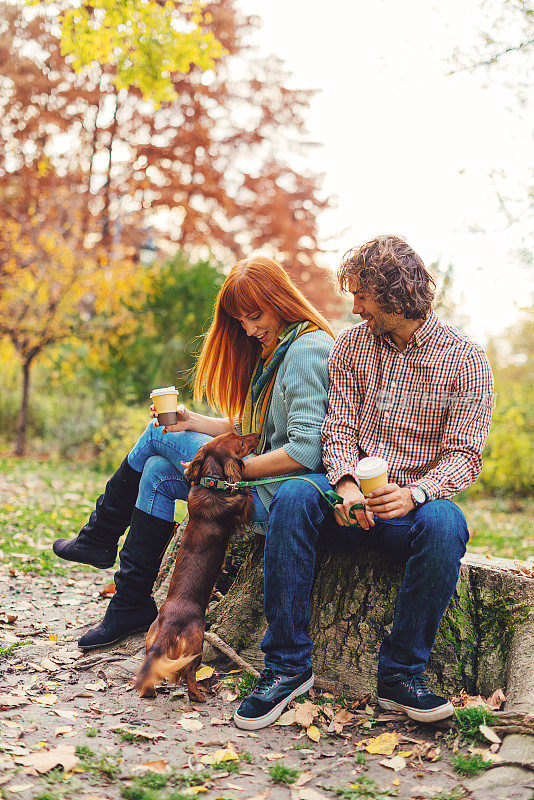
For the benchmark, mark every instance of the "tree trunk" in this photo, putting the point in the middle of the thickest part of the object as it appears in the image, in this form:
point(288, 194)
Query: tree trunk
point(20, 446)
point(485, 640)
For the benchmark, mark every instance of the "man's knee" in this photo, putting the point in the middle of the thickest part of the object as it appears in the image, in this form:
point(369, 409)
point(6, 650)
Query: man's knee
point(444, 525)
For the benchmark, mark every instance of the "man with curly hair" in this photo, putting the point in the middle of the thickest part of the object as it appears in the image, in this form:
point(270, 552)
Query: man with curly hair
point(417, 393)
point(408, 389)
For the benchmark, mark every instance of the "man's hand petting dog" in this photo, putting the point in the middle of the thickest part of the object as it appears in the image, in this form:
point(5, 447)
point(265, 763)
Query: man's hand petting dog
point(348, 490)
point(390, 500)
point(184, 418)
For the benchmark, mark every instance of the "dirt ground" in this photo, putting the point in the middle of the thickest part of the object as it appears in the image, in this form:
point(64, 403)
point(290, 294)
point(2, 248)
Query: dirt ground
point(52, 703)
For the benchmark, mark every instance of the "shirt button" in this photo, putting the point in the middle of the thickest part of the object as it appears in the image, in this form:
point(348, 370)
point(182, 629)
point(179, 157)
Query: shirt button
point(386, 414)
point(393, 385)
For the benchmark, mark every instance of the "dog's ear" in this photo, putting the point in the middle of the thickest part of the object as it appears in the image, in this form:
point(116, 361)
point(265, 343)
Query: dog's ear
point(233, 469)
point(194, 471)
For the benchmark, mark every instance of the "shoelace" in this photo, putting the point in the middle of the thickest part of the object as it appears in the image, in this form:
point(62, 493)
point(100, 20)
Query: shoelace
point(417, 683)
point(266, 680)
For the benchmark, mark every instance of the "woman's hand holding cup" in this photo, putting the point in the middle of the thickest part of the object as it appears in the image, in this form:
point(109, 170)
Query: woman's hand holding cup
point(166, 413)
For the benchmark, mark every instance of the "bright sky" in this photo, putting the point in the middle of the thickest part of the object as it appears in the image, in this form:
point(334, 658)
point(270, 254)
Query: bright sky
point(406, 149)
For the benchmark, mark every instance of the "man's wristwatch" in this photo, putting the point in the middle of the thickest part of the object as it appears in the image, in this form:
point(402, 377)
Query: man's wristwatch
point(418, 495)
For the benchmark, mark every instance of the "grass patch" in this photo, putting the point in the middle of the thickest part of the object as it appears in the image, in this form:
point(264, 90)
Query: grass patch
point(191, 778)
point(456, 793)
point(468, 765)
point(246, 684)
point(128, 736)
point(9, 650)
point(468, 721)
point(281, 774)
point(361, 759)
point(104, 766)
point(91, 732)
point(497, 528)
point(362, 789)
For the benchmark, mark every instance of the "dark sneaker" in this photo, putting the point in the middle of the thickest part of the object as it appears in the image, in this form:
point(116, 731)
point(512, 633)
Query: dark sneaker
point(409, 693)
point(269, 697)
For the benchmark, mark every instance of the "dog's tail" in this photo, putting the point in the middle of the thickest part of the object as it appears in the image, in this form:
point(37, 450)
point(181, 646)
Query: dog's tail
point(158, 666)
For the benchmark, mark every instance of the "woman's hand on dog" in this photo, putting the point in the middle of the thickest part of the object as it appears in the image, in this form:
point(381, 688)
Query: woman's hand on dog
point(184, 420)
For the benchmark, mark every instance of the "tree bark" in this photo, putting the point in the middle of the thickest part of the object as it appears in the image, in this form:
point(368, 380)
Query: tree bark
point(20, 446)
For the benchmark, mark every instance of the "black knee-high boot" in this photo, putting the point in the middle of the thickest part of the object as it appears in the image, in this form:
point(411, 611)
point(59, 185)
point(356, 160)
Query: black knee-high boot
point(96, 544)
point(132, 609)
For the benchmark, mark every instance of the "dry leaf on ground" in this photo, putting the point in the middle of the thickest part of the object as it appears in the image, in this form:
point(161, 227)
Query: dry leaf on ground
point(383, 745)
point(305, 713)
point(203, 673)
point(19, 787)
point(99, 686)
point(307, 793)
point(46, 760)
point(396, 763)
point(62, 730)
point(489, 734)
point(272, 756)
point(45, 699)
point(189, 724)
point(228, 754)
point(287, 718)
point(151, 766)
point(313, 733)
point(12, 700)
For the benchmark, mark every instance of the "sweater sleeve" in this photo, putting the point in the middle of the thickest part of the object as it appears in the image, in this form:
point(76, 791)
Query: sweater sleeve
point(305, 387)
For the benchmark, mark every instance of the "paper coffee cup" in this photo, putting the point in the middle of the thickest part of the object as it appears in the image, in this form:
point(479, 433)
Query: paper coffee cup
point(166, 404)
point(371, 472)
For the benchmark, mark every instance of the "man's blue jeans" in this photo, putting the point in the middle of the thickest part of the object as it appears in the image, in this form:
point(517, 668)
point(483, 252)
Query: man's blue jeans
point(430, 539)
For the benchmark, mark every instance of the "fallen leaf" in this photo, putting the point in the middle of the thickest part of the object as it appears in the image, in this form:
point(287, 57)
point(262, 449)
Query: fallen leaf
point(405, 753)
point(383, 745)
point(11, 618)
point(486, 755)
point(489, 734)
point(287, 718)
point(19, 787)
point(309, 794)
point(496, 700)
point(230, 696)
point(263, 796)
point(303, 778)
point(148, 735)
point(395, 782)
point(11, 701)
point(396, 763)
point(46, 663)
point(344, 717)
point(228, 754)
point(66, 713)
point(45, 699)
point(99, 686)
point(151, 766)
point(108, 590)
point(62, 730)
point(272, 756)
point(195, 790)
point(46, 760)
point(95, 797)
point(203, 673)
point(305, 713)
point(313, 733)
point(189, 724)
point(218, 721)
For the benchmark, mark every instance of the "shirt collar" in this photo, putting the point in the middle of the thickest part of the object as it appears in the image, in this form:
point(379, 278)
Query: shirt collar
point(427, 329)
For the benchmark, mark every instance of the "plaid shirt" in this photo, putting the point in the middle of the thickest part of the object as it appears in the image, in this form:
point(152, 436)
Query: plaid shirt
point(426, 410)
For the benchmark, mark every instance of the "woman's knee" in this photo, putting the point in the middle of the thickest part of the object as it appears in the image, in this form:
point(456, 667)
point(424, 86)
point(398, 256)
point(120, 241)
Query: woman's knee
point(156, 470)
point(297, 500)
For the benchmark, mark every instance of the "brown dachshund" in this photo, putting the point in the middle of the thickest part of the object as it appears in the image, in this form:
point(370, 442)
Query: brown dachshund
point(174, 640)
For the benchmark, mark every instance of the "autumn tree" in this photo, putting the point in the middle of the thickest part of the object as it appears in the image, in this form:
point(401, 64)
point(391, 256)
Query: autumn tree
point(207, 170)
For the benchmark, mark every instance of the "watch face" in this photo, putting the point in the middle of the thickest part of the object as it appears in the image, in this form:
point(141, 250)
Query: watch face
point(418, 495)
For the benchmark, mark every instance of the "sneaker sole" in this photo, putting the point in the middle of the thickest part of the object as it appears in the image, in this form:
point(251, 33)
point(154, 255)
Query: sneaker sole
point(431, 715)
point(253, 724)
point(85, 648)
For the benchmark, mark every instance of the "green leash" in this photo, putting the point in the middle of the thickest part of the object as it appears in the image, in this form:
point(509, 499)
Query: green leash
point(331, 497)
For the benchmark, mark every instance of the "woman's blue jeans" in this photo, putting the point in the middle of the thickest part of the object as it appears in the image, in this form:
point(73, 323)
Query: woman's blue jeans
point(431, 540)
point(158, 456)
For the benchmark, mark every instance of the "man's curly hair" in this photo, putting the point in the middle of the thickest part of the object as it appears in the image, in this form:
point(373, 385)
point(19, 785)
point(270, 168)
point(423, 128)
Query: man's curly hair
point(393, 274)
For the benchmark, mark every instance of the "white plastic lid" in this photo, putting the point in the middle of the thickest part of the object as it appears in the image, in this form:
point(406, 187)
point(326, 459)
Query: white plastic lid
point(371, 467)
point(166, 390)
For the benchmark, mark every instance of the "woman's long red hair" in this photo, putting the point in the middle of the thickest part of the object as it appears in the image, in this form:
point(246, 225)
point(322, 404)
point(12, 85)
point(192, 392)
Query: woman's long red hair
point(228, 357)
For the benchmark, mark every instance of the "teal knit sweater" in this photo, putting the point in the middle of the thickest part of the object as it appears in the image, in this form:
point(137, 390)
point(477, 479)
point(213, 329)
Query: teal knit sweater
point(298, 406)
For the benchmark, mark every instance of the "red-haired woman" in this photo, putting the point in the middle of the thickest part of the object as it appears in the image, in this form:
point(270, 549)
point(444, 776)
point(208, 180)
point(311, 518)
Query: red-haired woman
point(265, 364)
